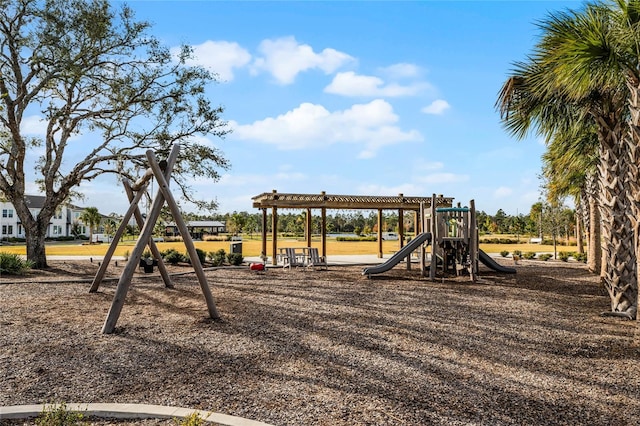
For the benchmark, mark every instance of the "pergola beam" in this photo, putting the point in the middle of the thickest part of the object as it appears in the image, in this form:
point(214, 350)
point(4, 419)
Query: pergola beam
point(323, 201)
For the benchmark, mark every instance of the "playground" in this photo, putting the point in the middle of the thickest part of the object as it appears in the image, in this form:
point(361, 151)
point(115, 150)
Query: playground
point(328, 347)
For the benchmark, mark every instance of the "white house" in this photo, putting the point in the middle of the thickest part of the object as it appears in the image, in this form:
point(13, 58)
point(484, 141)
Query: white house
point(61, 223)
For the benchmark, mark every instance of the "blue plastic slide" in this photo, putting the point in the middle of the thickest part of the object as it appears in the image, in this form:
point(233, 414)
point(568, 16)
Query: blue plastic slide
point(398, 256)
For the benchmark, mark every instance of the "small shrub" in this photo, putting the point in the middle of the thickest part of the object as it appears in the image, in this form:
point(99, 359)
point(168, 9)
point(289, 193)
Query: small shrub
point(59, 416)
point(12, 264)
point(217, 257)
point(173, 239)
point(146, 254)
point(580, 257)
point(504, 253)
point(545, 256)
point(356, 239)
point(529, 255)
point(202, 255)
point(517, 253)
point(564, 256)
point(192, 419)
point(235, 259)
point(173, 256)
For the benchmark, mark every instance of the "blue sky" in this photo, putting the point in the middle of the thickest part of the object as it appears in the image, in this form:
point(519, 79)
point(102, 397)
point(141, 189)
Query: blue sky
point(374, 98)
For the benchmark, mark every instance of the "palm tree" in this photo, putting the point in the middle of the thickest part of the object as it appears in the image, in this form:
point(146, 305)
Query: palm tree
point(571, 169)
point(91, 217)
point(575, 67)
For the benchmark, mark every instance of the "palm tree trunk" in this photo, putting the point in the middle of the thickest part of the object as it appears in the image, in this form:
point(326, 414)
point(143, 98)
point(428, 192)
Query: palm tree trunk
point(619, 249)
point(633, 174)
point(594, 252)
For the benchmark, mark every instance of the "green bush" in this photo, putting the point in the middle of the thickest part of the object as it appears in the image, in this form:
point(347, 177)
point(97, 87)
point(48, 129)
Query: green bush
point(202, 255)
point(580, 257)
point(498, 241)
point(356, 239)
point(59, 416)
point(564, 256)
point(517, 253)
point(235, 259)
point(545, 256)
point(172, 256)
point(217, 257)
point(504, 253)
point(12, 264)
point(529, 255)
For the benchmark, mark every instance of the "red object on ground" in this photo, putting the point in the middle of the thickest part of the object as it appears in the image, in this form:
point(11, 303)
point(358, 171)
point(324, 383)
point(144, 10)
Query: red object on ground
point(256, 266)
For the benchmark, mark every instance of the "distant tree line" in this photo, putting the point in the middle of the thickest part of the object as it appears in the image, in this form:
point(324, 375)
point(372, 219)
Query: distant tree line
point(541, 220)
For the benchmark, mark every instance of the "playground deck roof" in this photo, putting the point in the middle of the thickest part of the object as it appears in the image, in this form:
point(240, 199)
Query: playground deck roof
point(330, 201)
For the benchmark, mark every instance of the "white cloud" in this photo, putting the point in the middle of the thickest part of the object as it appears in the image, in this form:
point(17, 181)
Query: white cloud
point(375, 189)
point(285, 58)
point(371, 125)
point(220, 57)
point(351, 84)
point(442, 178)
point(420, 165)
point(436, 107)
point(502, 192)
point(402, 70)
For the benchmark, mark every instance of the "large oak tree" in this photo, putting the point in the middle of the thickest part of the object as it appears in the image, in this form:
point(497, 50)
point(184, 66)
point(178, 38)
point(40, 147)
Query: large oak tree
point(88, 69)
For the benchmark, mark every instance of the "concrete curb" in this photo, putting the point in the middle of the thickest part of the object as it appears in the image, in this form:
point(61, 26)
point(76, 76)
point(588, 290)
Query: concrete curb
point(128, 411)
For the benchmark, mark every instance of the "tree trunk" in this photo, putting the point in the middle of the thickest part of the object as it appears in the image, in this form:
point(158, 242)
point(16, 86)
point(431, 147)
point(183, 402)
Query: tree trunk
point(594, 253)
point(35, 245)
point(633, 176)
point(620, 277)
point(579, 246)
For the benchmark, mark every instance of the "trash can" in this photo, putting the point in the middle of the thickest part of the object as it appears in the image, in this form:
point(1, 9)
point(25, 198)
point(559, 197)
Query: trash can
point(236, 247)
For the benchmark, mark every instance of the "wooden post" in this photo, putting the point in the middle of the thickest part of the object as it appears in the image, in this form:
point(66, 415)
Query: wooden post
point(473, 241)
point(184, 231)
point(324, 231)
point(423, 265)
point(434, 239)
point(112, 248)
point(401, 234)
point(274, 235)
point(152, 245)
point(309, 227)
point(264, 232)
point(380, 233)
point(134, 260)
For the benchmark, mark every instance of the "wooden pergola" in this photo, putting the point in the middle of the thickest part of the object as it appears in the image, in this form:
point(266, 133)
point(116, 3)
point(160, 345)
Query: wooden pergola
point(323, 201)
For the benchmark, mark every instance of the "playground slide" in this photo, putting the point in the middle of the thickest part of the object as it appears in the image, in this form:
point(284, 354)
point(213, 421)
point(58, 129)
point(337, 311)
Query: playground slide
point(396, 258)
point(490, 263)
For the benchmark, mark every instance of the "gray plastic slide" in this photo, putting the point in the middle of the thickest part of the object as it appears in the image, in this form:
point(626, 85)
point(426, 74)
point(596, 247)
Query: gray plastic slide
point(396, 258)
point(490, 263)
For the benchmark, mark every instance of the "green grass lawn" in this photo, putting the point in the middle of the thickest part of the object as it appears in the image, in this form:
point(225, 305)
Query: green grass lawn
point(252, 247)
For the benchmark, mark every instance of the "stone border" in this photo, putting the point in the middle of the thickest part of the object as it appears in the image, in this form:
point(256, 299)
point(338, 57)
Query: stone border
point(128, 411)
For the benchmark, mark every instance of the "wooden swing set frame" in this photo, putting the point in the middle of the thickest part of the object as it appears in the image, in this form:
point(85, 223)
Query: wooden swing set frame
point(162, 173)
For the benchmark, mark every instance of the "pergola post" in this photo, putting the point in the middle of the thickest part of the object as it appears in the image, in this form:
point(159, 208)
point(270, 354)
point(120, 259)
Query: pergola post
point(380, 233)
point(401, 233)
point(264, 232)
point(274, 235)
point(308, 227)
point(324, 232)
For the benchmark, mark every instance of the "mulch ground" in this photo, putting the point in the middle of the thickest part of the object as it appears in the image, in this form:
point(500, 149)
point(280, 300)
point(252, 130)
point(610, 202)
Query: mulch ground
point(328, 347)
